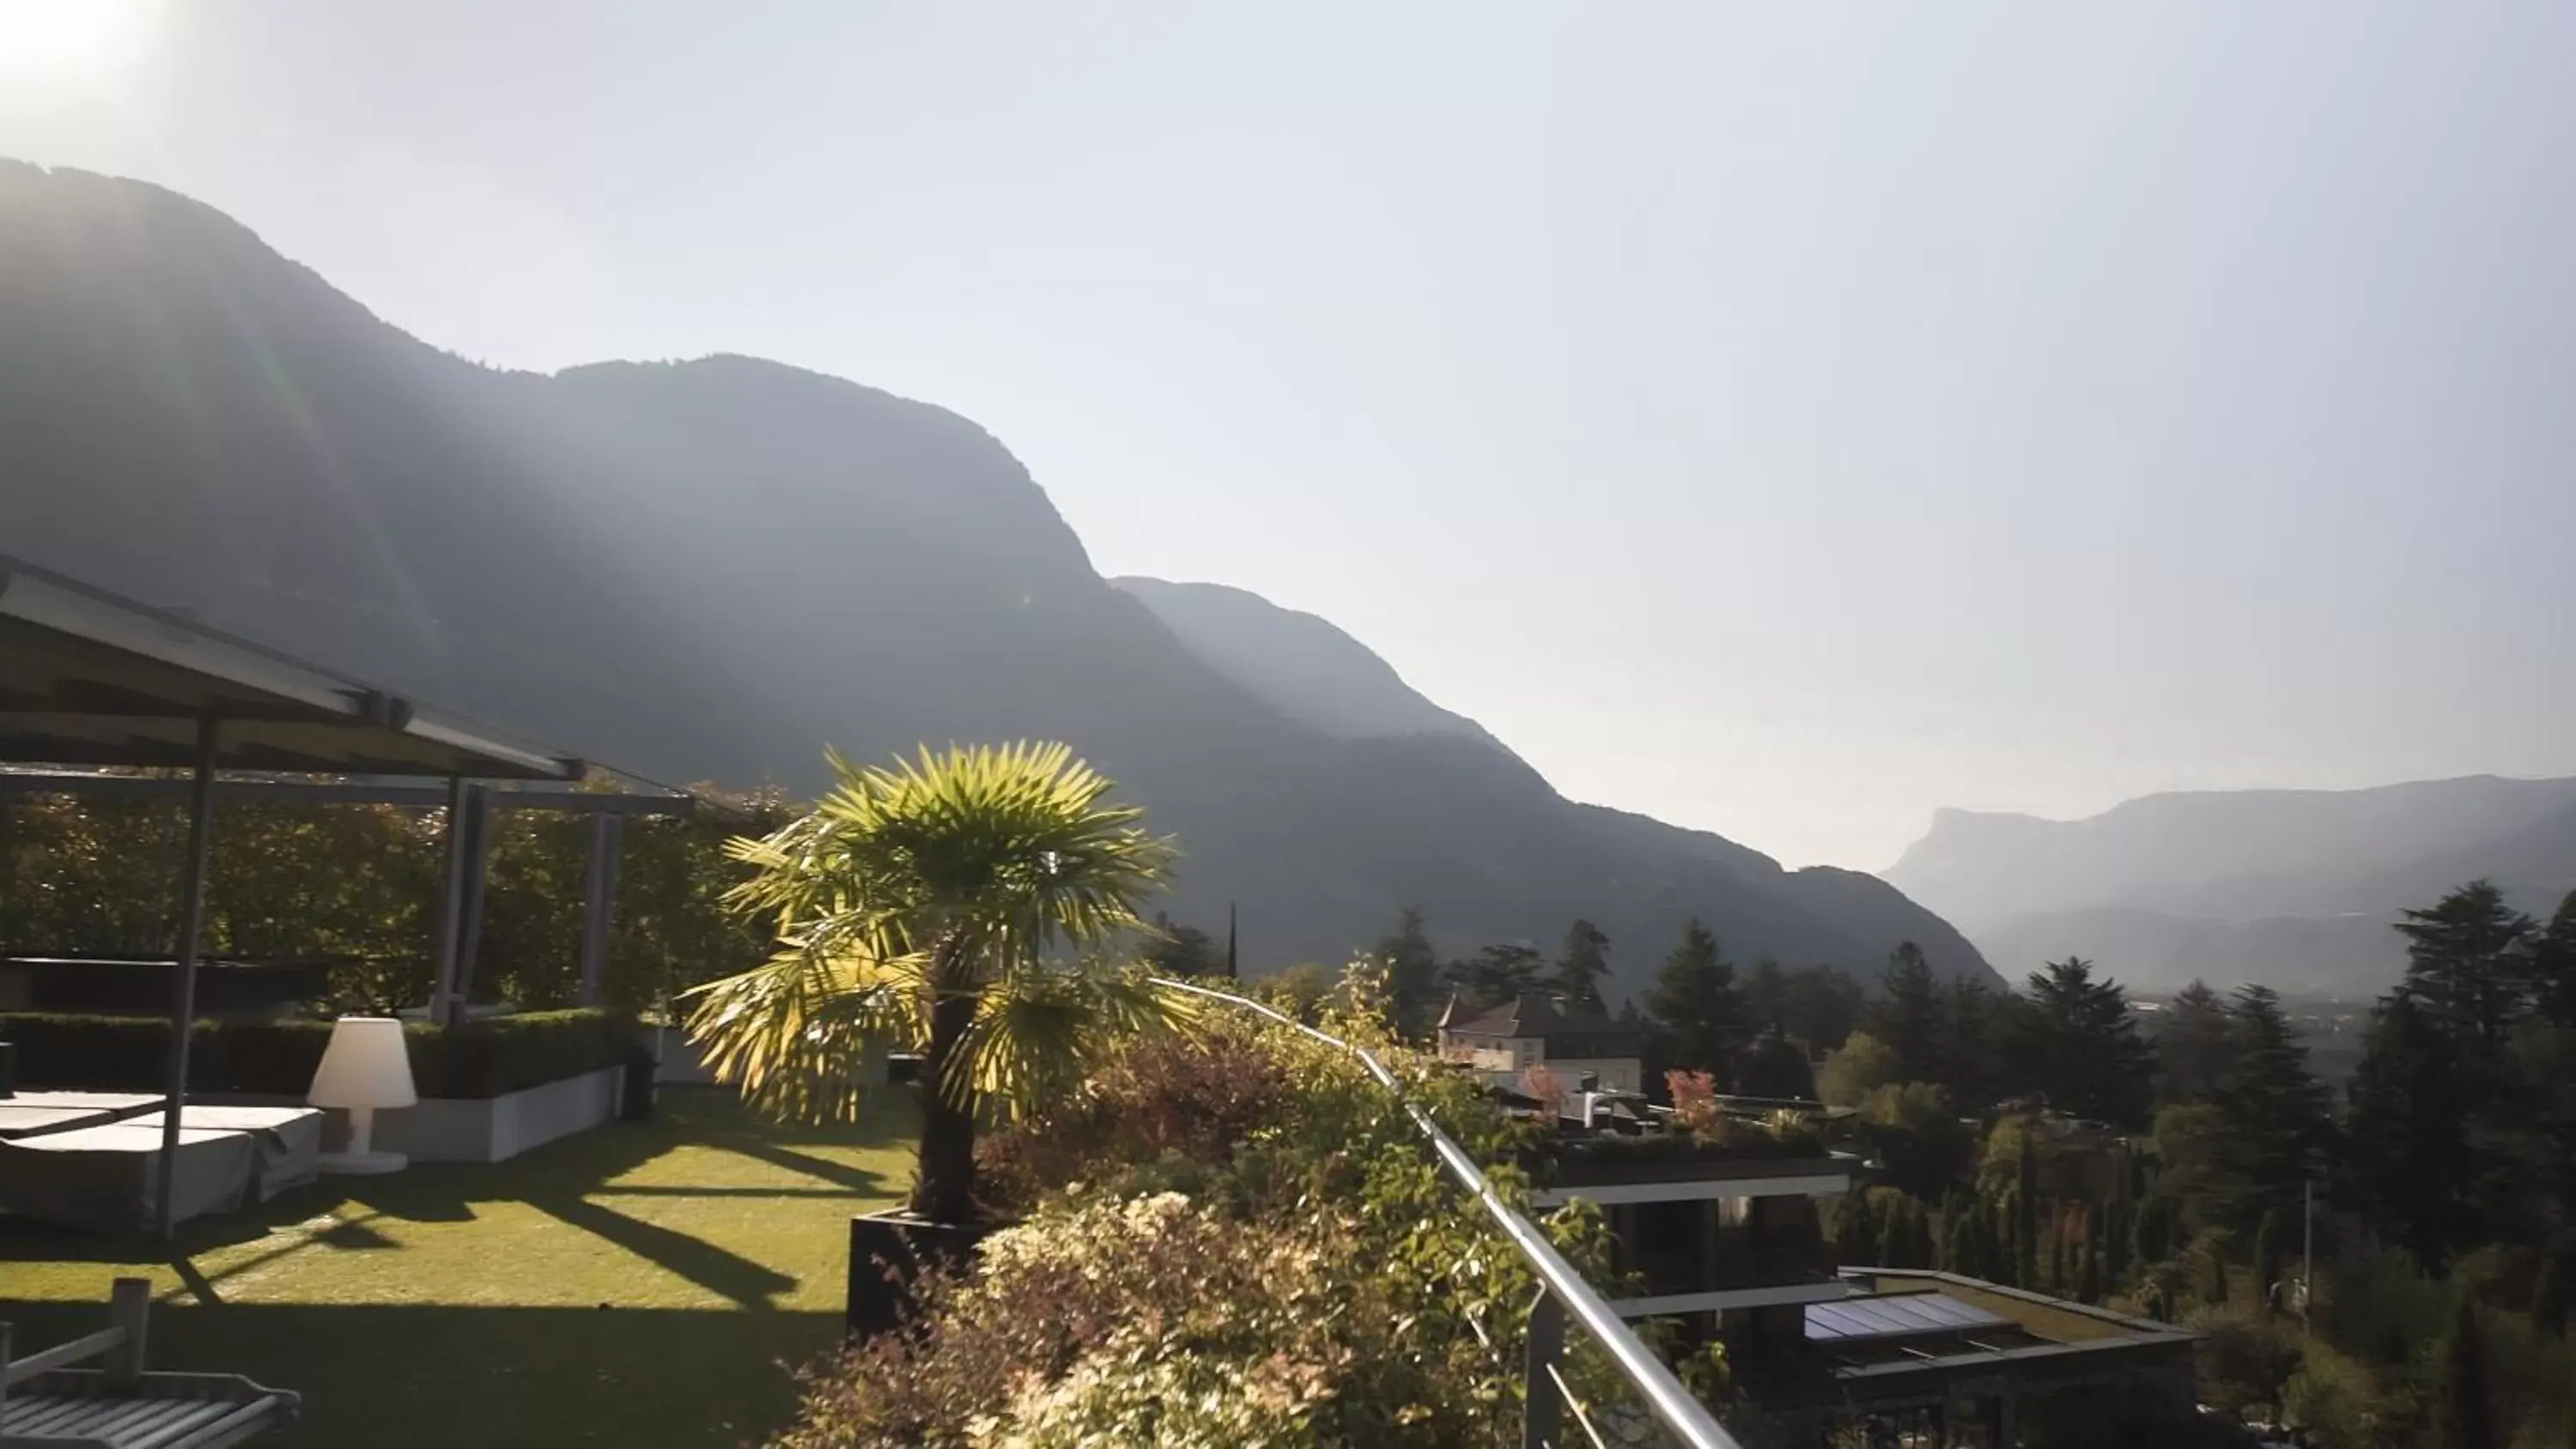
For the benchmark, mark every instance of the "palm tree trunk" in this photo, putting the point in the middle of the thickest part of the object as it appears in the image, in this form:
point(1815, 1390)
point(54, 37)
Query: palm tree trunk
point(943, 1182)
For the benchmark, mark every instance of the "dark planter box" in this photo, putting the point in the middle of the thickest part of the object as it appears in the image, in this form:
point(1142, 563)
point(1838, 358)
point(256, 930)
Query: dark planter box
point(888, 1253)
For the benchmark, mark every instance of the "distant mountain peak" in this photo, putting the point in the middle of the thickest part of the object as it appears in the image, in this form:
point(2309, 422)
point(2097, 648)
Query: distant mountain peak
point(1300, 664)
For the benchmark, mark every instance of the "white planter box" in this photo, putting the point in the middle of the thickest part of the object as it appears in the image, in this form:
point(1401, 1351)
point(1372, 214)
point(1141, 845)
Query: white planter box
point(492, 1129)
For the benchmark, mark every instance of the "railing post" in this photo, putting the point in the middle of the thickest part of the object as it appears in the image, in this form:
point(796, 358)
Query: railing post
point(129, 1309)
point(1543, 1405)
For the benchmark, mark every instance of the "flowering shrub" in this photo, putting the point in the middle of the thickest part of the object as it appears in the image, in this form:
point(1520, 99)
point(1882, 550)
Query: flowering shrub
point(1238, 1241)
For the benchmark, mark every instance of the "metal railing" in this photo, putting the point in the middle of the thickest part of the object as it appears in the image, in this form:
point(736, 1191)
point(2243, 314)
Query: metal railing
point(1562, 1291)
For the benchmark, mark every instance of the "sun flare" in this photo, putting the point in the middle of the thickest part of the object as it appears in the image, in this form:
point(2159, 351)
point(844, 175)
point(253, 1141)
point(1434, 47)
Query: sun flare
point(66, 37)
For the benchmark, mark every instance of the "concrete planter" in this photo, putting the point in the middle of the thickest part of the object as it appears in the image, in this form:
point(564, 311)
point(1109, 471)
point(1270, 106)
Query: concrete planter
point(494, 1129)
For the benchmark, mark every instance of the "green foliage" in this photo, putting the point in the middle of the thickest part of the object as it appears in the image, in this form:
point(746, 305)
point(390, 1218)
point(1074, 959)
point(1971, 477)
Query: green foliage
point(355, 884)
point(1257, 1249)
point(1859, 1067)
point(485, 1058)
point(2267, 1261)
point(1168, 949)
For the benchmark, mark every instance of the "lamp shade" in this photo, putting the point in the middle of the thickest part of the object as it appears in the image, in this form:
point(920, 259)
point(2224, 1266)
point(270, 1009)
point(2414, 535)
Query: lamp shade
point(365, 1065)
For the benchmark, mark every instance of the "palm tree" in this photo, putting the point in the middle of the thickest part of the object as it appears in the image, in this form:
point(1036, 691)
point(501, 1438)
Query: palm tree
point(923, 906)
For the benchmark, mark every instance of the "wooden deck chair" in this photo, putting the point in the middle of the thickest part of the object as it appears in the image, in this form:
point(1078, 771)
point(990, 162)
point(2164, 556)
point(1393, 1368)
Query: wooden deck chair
point(45, 1404)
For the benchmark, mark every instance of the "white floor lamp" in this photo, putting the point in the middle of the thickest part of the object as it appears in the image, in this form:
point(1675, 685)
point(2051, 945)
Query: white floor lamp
point(366, 1069)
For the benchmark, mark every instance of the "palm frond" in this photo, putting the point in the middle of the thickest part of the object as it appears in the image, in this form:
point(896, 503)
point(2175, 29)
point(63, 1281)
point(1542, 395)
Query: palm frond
point(1039, 1029)
point(796, 1033)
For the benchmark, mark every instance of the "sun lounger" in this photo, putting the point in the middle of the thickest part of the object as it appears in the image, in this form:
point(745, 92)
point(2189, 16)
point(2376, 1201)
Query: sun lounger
point(108, 1177)
point(46, 1404)
point(288, 1141)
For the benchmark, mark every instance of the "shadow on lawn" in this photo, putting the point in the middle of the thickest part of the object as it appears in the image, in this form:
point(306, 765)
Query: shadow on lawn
point(561, 1179)
point(413, 1377)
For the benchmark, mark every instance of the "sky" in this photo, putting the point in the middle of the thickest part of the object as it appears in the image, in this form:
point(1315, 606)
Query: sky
point(1782, 420)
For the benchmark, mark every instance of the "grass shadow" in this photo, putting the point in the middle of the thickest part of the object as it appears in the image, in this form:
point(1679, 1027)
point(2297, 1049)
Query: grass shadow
point(433, 1377)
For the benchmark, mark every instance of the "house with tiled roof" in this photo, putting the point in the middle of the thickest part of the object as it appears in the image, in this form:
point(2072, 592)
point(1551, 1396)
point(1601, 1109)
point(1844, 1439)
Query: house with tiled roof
point(1572, 1040)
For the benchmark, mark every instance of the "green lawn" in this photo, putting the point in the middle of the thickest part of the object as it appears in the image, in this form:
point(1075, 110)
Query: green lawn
point(638, 1285)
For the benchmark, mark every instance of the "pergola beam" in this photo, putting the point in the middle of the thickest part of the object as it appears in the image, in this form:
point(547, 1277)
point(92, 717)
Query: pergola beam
point(339, 792)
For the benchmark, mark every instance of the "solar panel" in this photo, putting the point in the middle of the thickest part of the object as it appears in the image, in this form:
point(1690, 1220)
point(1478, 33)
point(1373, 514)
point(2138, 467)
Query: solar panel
point(1893, 1316)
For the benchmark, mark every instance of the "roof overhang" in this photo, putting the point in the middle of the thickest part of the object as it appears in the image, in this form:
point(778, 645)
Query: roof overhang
point(90, 678)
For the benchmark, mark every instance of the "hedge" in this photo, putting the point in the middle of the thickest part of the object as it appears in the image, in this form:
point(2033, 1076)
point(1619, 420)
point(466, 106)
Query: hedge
point(277, 1058)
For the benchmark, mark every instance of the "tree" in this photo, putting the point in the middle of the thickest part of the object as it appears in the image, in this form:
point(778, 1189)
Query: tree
point(918, 904)
point(2553, 967)
point(2274, 1118)
point(2026, 1213)
point(1585, 964)
point(1494, 975)
point(2464, 965)
point(2193, 1046)
point(1413, 974)
point(1860, 1066)
point(1698, 1015)
point(1970, 1023)
point(2463, 1418)
point(2082, 1045)
point(2410, 1159)
point(1907, 1016)
point(1820, 1006)
point(1171, 950)
point(1766, 996)
point(2267, 1261)
point(1774, 1067)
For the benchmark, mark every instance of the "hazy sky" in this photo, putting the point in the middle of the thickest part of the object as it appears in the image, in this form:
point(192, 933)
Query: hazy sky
point(1785, 420)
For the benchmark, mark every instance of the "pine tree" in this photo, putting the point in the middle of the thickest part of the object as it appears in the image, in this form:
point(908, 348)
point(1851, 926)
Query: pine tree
point(1856, 1229)
point(2553, 967)
point(2194, 1050)
point(1970, 1019)
point(2274, 1118)
point(2462, 1416)
point(2407, 1151)
point(2088, 1281)
point(1700, 1021)
point(2461, 964)
point(1907, 1016)
point(1413, 974)
point(1585, 964)
point(2213, 1277)
point(2081, 1046)
point(2150, 1235)
point(2057, 1253)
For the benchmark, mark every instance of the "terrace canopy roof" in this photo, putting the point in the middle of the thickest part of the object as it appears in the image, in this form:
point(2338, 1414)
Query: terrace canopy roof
point(90, 678)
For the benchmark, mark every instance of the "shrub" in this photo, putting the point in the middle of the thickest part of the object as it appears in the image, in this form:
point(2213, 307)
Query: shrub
point(278, 1058)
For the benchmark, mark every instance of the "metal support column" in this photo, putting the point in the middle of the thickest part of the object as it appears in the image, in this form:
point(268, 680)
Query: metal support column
point(599, 903)
point(469, 907)
point(183, 970)
point(451, 900)
point(1543, 1403)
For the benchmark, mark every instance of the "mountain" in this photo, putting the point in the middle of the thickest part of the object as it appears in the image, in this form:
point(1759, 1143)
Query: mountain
point(1296, 663)
point(2295, 888)
point(712, 569)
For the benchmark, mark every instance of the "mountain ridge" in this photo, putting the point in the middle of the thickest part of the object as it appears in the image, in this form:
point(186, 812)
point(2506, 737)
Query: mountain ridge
point(2294, 887)
point(710, 569)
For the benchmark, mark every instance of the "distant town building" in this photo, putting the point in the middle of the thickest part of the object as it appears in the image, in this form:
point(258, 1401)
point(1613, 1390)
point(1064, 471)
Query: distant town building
point(1542, 1029)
